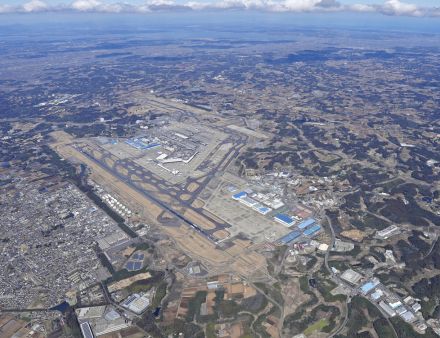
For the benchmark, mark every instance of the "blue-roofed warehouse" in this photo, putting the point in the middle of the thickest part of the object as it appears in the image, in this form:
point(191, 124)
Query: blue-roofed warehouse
point(367, 287)
point(306, 223)
point(141, 145)
point(264, 210)
point(291, 236)
point(239, 195)
point(284, 219)
point(312, 230)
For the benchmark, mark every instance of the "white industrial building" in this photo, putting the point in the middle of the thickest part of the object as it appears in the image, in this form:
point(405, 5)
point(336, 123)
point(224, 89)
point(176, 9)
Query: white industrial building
point(137, 303)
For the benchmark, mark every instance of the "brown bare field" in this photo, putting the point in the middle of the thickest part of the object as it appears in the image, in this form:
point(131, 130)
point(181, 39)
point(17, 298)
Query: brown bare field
point(109, 162)
point(136, 178)
point(131, 332)
point(212, 216)
point(127, 282)
point(199, 219)
point(236, 330)
point(249, 291)
point(175, 105)
point(12, 327)
point(238, 247)
point(210, 302)
point(198, 203)
point(185, 197)
point(235, 289)
point(148, 187)
point(122, 170)
point(163, 197)
point(355, 235)
point(272, 330)
point(61, 137)
point(221, 234)
point(250, 263)
point(193, 186)
point(293, 295)
point(197, 245)
point(128, 251)
point(96, 154)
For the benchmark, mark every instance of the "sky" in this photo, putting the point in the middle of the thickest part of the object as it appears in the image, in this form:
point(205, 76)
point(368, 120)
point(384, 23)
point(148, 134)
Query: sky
point(413, 8)
point(432, 3)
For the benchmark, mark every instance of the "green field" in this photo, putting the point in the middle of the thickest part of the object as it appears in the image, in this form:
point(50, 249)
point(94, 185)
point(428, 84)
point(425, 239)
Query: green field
point(318, 326)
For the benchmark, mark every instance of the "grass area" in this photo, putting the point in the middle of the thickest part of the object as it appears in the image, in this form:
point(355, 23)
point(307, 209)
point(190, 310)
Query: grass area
point(304, 284)
point(372, 309)
point(160, 293)
point(318, 326)
point(210, 331)
point(404, 330)
point(194, 305)
point(383, 329)
point(144, 285)
point(258, 324)
point(428, 307)
point(139, 286)
point(228, 308)
point(325, 287)
point(271, 292)
point(362, 312)
point(142, 246)
point(301, 320)
point(122, 274)
point(341, 266)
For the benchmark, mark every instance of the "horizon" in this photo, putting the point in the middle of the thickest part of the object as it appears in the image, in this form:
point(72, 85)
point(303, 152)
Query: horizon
point(413, 8)
point(237, 18)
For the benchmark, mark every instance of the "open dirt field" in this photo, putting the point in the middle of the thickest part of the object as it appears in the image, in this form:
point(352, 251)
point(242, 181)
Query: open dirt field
point(148, 187)
point(122, 170)
point(199, 219)
point(355, 235)
point(185, 197)
point(127, 281)
point(198, 203)
point(221, 234)
point(61, 137)
point(192, 187)
point(250, 263)
point(238, 247)
point(197, 246)
point(212, 216)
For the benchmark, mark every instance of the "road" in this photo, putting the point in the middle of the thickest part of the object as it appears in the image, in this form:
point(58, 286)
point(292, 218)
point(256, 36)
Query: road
point(335, 278)
point(345, 321)
point(274, 302)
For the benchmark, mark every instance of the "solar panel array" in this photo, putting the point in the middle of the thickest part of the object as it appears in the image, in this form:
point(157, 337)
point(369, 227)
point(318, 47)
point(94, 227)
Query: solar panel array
point(133, 266)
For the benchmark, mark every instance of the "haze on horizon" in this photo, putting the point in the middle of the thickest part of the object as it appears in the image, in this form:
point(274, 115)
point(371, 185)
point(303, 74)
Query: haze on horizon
point(413, 8)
